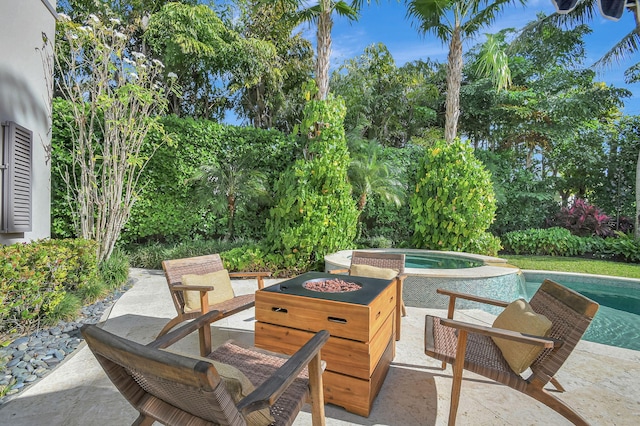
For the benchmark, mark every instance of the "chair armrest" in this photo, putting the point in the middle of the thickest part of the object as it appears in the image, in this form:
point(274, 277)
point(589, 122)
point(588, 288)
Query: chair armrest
point(270, 390)
point(546, 342)
point(259, 276)
point(249, 274)
point(338, 271)
point(182, 287)
point(183, 331)
point(473, 298)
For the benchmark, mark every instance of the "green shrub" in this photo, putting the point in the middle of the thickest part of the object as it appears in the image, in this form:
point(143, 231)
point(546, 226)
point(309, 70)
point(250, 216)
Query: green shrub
point(486, 244)
point(67, 309)
point(245, 258)
point(315, 213)
point(623, 247)
point(453, 203)
point(35, 278)
point(114, 271)
point(374, 242)
point(151, 255)
point(551, 241)
point(380, 218)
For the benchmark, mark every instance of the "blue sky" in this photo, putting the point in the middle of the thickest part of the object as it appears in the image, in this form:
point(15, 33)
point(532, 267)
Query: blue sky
point(387, 23)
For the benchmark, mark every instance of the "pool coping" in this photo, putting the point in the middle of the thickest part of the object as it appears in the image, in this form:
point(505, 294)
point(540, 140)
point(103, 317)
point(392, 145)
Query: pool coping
point(494, 266)
point(579, 274)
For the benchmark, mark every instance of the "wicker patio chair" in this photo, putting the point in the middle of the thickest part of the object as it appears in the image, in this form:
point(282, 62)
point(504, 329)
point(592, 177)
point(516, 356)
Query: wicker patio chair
point(175, 269)
point(382, 260)
point(179, 390)
point(469, 346)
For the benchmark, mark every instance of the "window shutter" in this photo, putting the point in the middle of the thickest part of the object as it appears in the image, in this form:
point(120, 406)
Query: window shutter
point(16, 198)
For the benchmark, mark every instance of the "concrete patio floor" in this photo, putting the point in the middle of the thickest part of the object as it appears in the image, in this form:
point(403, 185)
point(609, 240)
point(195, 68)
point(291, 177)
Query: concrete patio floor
point(602, 382)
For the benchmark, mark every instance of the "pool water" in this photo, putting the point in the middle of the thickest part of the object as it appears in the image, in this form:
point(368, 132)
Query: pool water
point(439, 261)
point(617, 322)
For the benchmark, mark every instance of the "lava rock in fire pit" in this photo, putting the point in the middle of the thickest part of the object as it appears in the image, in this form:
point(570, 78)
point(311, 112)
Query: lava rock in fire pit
point(333, 285)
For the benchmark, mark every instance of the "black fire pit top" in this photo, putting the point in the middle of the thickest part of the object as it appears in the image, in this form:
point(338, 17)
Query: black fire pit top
point(371, 288)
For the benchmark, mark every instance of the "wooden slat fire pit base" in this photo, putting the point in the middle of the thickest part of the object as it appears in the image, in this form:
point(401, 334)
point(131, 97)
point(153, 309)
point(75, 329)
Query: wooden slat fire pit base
point(362, 342)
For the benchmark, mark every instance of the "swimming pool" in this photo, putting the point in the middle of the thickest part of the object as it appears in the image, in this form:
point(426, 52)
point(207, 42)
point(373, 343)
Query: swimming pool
point(431, 260)
point(617, 322)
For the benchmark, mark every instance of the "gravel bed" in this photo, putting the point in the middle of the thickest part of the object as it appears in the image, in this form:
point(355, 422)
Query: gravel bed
point(29, 358)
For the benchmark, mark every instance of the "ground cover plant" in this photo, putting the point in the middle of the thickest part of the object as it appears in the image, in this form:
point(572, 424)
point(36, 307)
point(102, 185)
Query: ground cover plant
point(48, 280)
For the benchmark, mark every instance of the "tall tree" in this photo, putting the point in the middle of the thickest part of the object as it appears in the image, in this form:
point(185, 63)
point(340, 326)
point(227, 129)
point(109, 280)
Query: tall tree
point(320, 13)
point(385, 102)
point(210, 60)
point(274, 100)
point(115, 98)
point(454, 21)
point(227, 185)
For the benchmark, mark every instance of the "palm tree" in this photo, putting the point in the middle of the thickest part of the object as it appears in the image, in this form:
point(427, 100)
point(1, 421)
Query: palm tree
point(321, 15)
point(453, 21)
point(368, 175)
point(229, 184)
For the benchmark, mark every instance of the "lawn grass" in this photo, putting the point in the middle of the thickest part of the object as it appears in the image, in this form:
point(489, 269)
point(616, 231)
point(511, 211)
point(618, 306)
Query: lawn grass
point(575, 264)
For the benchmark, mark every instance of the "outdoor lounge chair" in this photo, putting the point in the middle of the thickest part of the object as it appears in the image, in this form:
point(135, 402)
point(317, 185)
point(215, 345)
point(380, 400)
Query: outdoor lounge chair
point(471, 347)
point(393, 261)
point(175, 269)
point(178, 390)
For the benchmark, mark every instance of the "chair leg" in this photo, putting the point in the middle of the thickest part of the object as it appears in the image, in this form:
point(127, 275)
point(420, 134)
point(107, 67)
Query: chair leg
point(556, 384)
point(557, 405)
point(316, 391)
point(458, 367)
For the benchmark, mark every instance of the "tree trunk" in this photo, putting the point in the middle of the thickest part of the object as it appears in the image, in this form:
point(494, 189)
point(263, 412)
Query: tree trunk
point(231, 206)
point(637, 221)
point(454, 81)
point(324, 50)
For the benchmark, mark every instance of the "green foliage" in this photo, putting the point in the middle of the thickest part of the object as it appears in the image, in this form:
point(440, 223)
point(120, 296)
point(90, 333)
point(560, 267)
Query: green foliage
point(384, 102)
point(114, 272)
point(523, 201)
point(623, 247)
point(169, 209)
point(486, 244)
point(209, 58)
point(314, 213)
point(453, 203)
point(36, 277)
point(67, 309)
point(374, 242)
point(552, 241)
point(380, 218)
point(560, 242)
point(248, 257)
point(151, 255)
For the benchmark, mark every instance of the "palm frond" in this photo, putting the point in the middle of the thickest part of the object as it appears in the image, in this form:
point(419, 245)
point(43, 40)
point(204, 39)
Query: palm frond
point(429, 16)
point(493, 62)
point(345, 10)
point(623, 49)
point(479, 18)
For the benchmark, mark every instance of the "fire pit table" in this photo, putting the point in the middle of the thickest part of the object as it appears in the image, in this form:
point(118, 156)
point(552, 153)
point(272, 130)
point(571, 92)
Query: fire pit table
point(360, 316)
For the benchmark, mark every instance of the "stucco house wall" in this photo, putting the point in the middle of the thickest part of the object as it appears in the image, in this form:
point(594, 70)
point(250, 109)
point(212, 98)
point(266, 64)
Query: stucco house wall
point(25, 97)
